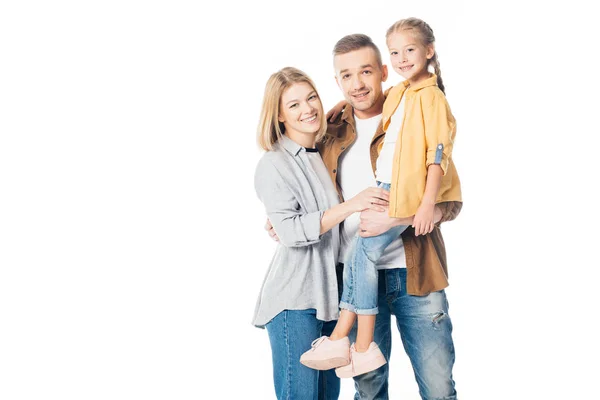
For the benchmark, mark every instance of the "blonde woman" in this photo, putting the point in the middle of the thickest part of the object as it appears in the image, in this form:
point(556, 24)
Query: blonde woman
point(300, 291)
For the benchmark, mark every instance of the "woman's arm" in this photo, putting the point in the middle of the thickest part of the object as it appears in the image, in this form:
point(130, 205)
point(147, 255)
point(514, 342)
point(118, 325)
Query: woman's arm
point(295, 227)
point(369, 199)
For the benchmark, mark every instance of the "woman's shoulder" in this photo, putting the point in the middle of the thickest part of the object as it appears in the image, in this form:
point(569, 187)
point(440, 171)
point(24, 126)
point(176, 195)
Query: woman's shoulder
point(275, 156)
point(273, 160)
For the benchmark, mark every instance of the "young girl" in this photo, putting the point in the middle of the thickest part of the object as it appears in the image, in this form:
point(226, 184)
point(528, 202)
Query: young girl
point(415, 166)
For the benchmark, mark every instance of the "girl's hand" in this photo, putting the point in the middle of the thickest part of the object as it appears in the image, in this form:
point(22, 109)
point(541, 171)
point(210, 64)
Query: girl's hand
point(423, 222)
point(372, 198)
point(336, 110)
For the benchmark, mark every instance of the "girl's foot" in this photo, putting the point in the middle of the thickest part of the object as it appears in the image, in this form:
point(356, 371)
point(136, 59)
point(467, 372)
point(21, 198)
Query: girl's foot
point(361, 363)
point(327, 354)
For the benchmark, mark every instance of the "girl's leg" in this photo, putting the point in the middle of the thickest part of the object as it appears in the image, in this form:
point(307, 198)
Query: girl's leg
point(344, 325)
point(365, 354)
point(365, 332)
point(361, 281)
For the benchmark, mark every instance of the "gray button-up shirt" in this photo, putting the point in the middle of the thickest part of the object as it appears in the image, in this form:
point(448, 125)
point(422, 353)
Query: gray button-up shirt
point(302, 272)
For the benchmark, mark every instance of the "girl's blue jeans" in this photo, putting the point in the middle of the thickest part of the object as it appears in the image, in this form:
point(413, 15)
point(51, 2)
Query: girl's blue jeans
point(360, 273)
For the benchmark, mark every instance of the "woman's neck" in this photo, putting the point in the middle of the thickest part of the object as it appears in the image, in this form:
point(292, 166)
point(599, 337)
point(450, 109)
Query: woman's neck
point(303, 139)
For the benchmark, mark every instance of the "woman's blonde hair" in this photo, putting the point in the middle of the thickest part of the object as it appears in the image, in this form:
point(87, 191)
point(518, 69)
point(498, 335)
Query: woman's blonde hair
point(270, 129)
point(424, 34)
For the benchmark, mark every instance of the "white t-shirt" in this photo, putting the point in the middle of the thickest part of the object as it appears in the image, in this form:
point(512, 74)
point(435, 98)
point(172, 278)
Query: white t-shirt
point(355, 175)
point(385, 160)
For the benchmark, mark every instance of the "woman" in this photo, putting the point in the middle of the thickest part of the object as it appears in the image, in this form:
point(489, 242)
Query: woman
point(300, 290)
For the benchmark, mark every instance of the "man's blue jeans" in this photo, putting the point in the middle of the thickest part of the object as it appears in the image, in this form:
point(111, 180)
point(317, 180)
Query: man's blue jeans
point(426, 332)
point(291, 333)
point(360, 273)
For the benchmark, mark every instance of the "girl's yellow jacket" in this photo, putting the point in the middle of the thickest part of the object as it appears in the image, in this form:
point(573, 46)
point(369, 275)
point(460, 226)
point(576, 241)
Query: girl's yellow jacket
point(426, 137)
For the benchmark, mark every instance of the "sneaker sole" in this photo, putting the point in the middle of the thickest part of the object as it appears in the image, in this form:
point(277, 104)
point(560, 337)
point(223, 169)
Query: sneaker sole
point(323, 365)
point(368, 366)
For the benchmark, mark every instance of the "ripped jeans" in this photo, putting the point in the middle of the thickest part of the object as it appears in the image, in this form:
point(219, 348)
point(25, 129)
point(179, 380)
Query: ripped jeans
point(426, 331)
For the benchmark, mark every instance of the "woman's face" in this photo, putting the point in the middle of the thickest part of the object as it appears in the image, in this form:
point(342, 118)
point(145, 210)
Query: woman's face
point(301, 110)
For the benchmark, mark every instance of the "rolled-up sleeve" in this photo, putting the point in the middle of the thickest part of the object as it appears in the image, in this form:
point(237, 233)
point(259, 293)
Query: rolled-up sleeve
point(440, 130)
point(294, 227)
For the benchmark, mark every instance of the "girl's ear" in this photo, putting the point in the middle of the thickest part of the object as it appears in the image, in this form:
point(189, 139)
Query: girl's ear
point(430, 51)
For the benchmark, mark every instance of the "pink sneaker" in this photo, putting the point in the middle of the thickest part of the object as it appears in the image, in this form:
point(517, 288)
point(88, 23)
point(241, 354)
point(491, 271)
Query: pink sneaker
point(327, 354)
point(361, 363)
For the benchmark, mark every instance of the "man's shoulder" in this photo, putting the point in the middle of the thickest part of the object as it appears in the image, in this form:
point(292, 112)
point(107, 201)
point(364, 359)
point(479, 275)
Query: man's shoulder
point(336, 128)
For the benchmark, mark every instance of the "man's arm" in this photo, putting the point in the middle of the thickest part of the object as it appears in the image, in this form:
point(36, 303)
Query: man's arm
point(373, 223)
point(450, 210)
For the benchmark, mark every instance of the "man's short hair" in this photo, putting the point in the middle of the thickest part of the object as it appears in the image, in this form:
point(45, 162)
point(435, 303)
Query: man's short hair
point(354, 42)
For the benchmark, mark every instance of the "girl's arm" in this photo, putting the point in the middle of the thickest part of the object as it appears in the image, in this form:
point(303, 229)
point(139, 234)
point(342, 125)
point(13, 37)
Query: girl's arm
point(424, 218)
point(440, 130)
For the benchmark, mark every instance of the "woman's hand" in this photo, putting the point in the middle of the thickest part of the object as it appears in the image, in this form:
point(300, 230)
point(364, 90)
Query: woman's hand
point(373, 198)
point(336, 110)
point(271, 231)
point(424, 219)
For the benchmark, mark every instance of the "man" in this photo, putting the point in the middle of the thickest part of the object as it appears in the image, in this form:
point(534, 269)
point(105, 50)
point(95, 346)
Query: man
point(413, 272)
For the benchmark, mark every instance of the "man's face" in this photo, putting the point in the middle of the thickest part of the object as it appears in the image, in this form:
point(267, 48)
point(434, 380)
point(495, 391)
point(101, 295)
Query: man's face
point(359, 76)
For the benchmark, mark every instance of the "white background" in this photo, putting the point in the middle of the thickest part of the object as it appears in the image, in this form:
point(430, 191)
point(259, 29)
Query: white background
point(131, 241)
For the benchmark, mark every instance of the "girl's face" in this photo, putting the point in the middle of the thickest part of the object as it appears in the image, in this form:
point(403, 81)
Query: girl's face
point(301, 110)
point(408, 56)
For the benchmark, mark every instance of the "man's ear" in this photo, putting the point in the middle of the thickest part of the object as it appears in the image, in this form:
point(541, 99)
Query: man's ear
point(337, 81)
point(384, 73)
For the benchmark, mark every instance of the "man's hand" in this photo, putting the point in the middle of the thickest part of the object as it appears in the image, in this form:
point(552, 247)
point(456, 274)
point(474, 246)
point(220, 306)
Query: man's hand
point(271, 231)
point(373, 223)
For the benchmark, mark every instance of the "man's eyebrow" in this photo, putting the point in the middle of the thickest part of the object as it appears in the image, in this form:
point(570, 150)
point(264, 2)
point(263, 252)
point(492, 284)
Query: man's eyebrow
point(361, 67)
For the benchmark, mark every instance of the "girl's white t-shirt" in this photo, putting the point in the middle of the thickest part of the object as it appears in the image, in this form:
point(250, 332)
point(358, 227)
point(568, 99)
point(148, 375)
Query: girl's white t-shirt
point(386, 156)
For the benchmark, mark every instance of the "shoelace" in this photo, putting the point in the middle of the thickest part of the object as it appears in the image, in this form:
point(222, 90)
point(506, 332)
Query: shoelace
point(317, 342)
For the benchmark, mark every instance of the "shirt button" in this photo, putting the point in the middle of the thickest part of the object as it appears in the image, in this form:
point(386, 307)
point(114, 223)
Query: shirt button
point(440, 147)
point(334, 171)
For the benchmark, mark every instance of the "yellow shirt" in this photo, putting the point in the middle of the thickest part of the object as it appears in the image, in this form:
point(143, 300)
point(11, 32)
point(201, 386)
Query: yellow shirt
point(426, 137)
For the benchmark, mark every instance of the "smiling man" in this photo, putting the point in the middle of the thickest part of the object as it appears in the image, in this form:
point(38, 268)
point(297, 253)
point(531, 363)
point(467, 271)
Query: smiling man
point(412, 270)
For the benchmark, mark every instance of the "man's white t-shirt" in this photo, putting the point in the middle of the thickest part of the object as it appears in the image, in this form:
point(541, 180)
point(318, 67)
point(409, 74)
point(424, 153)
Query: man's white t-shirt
point(355, 175)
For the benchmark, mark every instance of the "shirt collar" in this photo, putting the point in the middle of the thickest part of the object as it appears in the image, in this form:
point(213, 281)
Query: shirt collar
point(431, 81)
point(292, 147)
